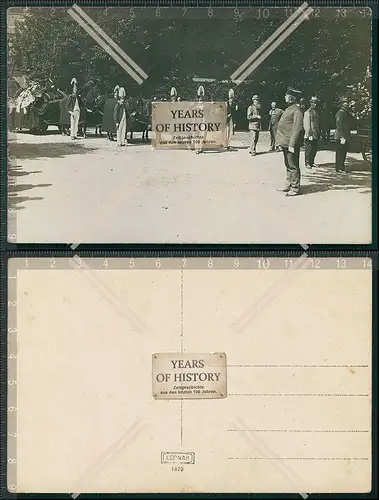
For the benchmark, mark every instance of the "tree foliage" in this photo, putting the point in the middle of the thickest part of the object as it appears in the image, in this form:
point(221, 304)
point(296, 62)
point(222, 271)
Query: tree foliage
point(321, 56)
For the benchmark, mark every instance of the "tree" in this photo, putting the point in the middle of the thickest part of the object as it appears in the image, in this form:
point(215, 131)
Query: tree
point(321, 56)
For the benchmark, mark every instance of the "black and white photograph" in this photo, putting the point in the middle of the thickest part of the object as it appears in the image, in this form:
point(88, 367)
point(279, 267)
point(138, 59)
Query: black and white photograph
point(189, 125)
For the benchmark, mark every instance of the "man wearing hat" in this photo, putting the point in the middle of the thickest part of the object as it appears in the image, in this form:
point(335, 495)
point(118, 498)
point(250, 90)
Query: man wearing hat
point(74, 106)
point(311, 132)
point(342, 134)
point(275, 114)
point(120, 115)
point(288, 137)
point(254, 119)
point(231, 110)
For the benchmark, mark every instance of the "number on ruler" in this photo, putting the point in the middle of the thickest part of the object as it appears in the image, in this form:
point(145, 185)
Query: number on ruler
point(52, 263)
point(263, 263)
point(184, 261)
point(105, 263)
point(288, 263)
point(341, 263)
point(210, 263)
point(12, 408)
point(12, 461)
point(158, 263)
point(236, 263)
point(264, 13)
point(210, 12)
point(12, 303)
point(315, 263)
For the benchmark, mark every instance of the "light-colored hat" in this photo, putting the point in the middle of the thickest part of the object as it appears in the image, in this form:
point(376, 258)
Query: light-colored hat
point(293, 92)
point(173, 92)
point(200, 91)
point(231, 94)
point(314, 99)
point(121, 92)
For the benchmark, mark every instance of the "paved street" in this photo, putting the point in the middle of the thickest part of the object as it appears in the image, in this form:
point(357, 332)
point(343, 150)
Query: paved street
point(91, 191)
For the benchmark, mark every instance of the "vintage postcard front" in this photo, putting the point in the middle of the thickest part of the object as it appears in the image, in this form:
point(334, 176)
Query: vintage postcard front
point(164, 123)
point(189, 375)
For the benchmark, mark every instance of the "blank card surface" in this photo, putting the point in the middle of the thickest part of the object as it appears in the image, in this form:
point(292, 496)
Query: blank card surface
point(189, 376)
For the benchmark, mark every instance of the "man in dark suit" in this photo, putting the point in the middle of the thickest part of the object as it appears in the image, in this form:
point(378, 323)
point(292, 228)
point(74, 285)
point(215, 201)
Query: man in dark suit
point(289, 137)
point(342, 134)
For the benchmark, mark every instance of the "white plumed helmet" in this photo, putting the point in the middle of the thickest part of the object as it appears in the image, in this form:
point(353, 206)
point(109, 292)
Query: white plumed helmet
point(121, 92)
point(74, 83)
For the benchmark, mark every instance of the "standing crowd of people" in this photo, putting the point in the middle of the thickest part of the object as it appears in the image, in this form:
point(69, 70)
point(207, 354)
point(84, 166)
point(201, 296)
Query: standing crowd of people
point(296, 127)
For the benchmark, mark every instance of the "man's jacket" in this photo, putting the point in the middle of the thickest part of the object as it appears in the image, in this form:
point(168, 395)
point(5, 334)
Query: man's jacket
point(290, 127)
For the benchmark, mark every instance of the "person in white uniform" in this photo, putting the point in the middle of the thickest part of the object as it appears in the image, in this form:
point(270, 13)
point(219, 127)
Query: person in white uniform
point(74, 105)
point(120, 116)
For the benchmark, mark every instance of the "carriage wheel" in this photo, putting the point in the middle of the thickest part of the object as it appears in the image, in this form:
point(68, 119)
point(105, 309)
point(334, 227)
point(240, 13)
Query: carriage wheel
point(44, 127)
point(367, 151)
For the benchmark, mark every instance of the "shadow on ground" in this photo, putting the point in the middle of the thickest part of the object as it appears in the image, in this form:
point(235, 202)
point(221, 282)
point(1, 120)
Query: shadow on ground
point(24, 150)
point(325, 178)
point(14, 199)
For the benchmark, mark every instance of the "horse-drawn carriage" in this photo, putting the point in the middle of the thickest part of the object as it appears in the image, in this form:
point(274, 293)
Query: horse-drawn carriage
point(35, 109)
point(365, 137)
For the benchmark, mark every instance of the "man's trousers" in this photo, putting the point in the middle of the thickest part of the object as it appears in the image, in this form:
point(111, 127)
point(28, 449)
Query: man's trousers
point(311, 148)
point(341, 152)
point(291, 161)
point(74, 122)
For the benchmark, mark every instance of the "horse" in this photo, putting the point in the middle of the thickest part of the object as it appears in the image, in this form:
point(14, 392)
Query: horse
point(139, 117)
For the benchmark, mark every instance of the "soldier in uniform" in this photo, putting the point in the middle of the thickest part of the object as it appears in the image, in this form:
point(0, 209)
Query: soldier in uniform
point(311, 132)
point(120, 116)
point(275, 114)
point(109, 124)
point(231, 110)
point(74, 107)
point(254, 119)
point(342, 134)
point(173, 94)
point(288, 136)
